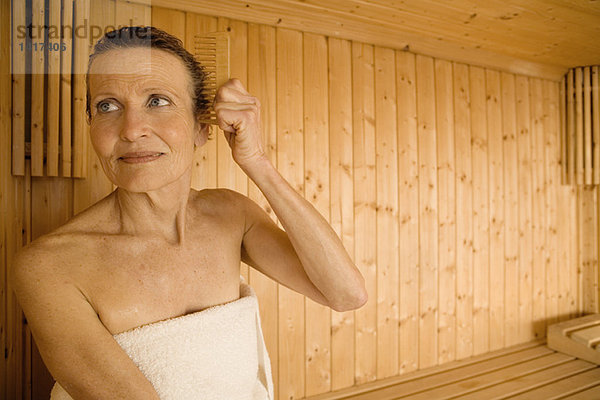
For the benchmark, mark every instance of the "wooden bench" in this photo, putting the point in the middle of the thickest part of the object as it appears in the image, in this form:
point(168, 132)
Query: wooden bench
point(526, 371)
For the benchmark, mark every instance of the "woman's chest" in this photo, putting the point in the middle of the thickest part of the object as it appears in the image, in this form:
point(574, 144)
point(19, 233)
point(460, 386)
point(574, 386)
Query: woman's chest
point(134, 284)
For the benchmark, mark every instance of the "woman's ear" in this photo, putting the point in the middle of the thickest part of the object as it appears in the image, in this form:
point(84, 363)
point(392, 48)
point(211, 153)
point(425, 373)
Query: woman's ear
point(201, 136)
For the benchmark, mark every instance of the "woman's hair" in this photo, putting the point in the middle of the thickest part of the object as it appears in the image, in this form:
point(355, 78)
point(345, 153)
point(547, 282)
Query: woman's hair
point(149, 36)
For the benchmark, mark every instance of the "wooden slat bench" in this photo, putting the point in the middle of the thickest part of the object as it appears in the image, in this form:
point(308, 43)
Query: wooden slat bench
point(526, 371)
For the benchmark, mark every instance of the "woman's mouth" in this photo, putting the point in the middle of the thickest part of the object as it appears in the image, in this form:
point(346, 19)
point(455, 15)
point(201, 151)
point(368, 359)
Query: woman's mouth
point(141, 157)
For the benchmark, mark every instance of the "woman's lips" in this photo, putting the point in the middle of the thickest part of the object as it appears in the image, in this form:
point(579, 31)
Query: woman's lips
point(143, 157)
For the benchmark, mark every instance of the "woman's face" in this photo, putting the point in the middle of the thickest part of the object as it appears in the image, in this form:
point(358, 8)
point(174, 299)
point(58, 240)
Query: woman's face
point(142, 122)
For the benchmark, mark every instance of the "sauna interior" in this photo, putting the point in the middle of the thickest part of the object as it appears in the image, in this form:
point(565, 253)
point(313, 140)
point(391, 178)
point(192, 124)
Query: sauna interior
point(454, 147)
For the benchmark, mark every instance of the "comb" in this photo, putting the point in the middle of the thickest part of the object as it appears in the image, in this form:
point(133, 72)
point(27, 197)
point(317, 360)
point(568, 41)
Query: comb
point(211, 50)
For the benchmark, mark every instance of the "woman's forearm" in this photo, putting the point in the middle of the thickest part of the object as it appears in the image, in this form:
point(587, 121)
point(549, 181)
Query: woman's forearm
point(319, 249)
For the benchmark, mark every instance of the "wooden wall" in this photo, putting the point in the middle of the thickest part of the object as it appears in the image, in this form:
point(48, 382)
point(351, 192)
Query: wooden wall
point(442, 180)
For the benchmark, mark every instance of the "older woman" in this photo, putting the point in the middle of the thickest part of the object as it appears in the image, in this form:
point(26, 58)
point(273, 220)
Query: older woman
point(155, 249)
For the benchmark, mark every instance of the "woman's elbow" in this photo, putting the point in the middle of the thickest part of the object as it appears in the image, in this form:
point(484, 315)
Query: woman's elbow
point(352, 302)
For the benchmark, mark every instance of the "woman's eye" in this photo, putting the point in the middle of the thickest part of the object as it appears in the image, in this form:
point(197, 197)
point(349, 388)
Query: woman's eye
point(104, 106)
point(155, 101)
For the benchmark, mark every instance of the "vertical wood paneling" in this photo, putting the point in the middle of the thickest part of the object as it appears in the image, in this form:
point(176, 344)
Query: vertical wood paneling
point(428, 213)
point(552, 183)
point(444, 102)
point(365, 197)
point(525, 329)
point(342, 197)
point(588, 250)
point(496, 201)
point(464, 213)
point(386, 212)
point(538, 197)
point(511, 210)
point(316, 178)
point(571, 126)
point(579, 149)
point(290, 156)
point(408, 178)
point(17, 16)
point(53, 93)
point(481, 223)
point(595, 122)
point(80, 127)
point(65, 86)
point(37, 91)
point(587, 124)
point(96, 185)
point(261, 66)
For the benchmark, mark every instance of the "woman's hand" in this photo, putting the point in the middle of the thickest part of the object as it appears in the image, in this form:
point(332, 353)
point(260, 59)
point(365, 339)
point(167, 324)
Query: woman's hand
point(238, 115)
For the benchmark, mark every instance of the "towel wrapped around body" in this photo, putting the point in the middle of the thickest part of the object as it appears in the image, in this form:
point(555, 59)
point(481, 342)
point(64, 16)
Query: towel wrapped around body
point(216, 353)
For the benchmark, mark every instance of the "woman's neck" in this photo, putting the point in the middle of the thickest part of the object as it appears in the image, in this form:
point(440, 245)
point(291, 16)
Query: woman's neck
point(159, 213)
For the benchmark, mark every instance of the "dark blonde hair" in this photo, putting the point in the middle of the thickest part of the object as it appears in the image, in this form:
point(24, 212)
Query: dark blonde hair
point(149, 36)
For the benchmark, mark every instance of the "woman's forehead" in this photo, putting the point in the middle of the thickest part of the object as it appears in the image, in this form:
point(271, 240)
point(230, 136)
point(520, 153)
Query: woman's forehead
point(139, 68)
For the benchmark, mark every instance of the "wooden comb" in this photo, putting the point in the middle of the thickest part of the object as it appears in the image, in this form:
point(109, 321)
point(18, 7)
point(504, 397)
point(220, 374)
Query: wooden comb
point(211, 50)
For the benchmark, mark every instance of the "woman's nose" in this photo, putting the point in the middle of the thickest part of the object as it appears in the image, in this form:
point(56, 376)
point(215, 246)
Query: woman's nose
point(133, 125)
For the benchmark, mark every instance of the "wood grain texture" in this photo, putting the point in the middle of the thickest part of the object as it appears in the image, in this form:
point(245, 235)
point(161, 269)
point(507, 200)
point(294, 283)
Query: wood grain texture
point(290, 163)
point(408, 211)
point(365, 197)
point(386, 212)
point(428, 213)
point(318, 356)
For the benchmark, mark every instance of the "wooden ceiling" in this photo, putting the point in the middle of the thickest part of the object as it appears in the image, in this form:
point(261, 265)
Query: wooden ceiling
point(533, 37)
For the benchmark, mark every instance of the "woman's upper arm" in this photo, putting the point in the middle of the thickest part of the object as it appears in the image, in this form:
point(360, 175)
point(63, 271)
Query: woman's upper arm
point(76, 347)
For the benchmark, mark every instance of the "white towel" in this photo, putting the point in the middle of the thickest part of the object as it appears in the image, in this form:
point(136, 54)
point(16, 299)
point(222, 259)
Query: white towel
point(216, 353)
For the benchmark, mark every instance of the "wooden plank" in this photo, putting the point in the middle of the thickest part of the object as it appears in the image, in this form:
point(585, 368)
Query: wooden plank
point(8, 197)
point(481, 222)
point(18, 88)
point(558, 389)
point(96, 185)
point(588, 225)
point(571, 127)
point(573, 223)
point(365, 197)
point(529, 381)
point(587, 124)
point(496, 198)
point(538, 208)
point(80, 127)
point(464, 212)
point(386, 212)
point(579, 149)
point(204, 174)
point(37, 91)
point(523, 107)
point(596, 122)
point(592, 393)
point(292, 375)
point(365, 391)
point(564, 152)
point(444, 118)
point(65, 92)
point(453, 375)
point(230, 175)
point(471, 387)
point(408, 178)
point(53, 90)
point(261, 70)
point(428, 213)
point(342, 202)
point(552, 183)
point(511, 210)
point(316, 177)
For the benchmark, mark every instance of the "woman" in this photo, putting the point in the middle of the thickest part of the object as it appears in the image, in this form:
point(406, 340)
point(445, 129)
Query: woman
point(154, 248)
